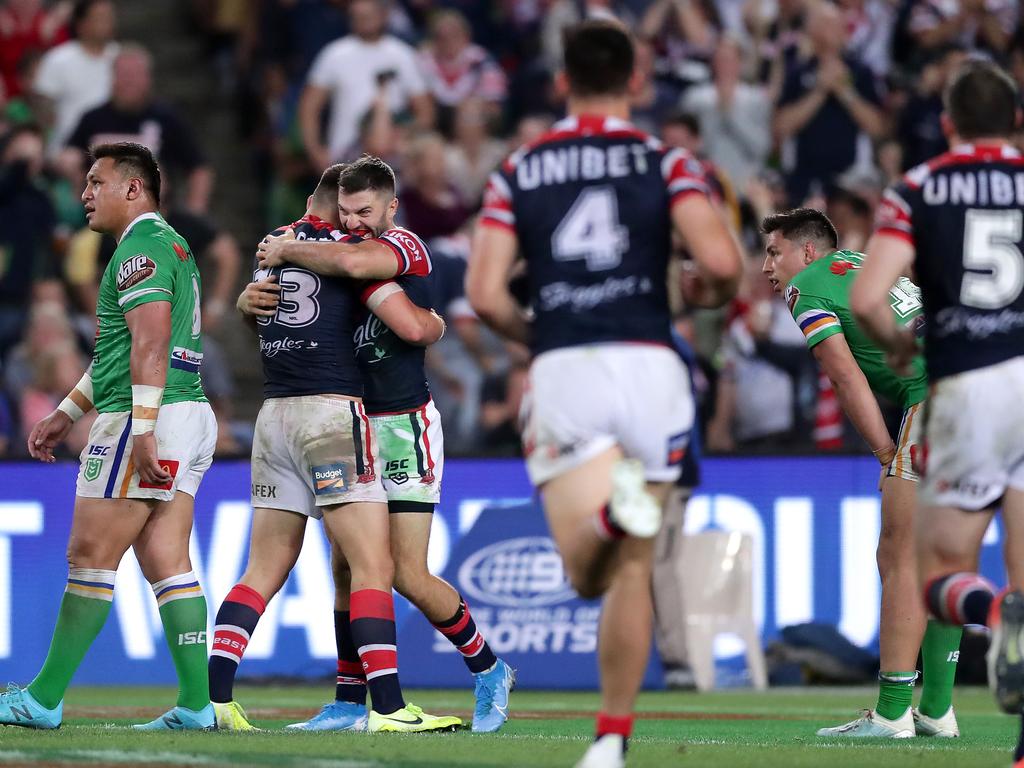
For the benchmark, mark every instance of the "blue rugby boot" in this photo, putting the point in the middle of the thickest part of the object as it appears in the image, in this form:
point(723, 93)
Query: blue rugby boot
point(19, 707)
point(181, 719)
point(491, 692)
point(336, 716)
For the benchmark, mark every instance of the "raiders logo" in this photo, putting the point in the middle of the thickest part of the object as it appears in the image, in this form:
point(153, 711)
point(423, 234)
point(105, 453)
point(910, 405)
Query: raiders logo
point(134, 270)
point(792, 295)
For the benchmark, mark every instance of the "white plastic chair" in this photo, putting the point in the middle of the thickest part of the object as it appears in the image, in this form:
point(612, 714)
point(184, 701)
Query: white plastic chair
point(716, 572)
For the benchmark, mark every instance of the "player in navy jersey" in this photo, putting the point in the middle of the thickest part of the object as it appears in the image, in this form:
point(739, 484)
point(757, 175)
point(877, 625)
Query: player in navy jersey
point(410, 446)
point(591, 206)
point(958, 223)
point(314, 455)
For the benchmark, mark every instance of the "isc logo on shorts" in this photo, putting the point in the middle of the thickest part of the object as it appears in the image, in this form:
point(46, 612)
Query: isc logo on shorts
point(328, 479)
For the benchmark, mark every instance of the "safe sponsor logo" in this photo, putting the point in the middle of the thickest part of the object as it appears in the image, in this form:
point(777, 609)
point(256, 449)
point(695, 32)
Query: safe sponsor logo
point(134, 270)
point(328, 479)
point(519, 573)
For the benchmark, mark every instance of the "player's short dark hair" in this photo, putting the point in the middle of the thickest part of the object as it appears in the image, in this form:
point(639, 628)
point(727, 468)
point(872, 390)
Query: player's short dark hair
point(79, 11)
point(598, 58)
point(368, 172)
point(981, 100)
point(802, 224)
point(135, 159)
point(327, 188)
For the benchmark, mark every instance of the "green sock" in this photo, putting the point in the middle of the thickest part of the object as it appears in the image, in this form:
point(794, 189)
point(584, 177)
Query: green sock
point(83, 612)
point(940, 651)
point(183, 612)
point(895, 693)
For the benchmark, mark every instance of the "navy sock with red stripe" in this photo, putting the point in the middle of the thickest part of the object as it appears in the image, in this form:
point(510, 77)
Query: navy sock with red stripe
point(606, 528)
point(372, 619)
point(351, 684)
point(462, 631)
point(235, 623)
point(960, 598)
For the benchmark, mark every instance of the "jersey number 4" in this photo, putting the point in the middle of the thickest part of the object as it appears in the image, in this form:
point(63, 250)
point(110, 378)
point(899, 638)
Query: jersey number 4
point(591, 231)
point(993, 263)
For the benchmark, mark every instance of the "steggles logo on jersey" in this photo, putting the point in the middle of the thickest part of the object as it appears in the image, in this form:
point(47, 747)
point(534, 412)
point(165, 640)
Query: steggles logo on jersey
point(328, 479)
point(287, 344)
point(134, 270)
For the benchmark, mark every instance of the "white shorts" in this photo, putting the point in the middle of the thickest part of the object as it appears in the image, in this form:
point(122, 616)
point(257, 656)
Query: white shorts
point(313, 451)
point(908, 457)
point(186, 435)
point(411, 449)
point(581, 401)
point(974, 437)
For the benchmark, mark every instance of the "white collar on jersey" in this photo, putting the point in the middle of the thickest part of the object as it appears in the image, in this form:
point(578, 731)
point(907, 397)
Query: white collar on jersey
point(1005, 150)
point(141, 217)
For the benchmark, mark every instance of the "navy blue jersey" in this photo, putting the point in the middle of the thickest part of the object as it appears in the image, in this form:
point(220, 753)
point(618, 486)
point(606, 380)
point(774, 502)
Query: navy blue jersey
point(307, 346)
point(589, 203)
point(393, 375)
point(962, 214)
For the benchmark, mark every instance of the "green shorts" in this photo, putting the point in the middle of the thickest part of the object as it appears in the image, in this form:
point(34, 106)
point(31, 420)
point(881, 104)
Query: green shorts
point(411, 447)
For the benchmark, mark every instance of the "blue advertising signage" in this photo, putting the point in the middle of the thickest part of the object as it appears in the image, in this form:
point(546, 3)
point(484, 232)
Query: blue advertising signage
point(813, 521)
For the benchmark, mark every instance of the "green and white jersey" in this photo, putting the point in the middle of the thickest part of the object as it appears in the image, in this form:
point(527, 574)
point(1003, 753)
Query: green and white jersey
point(819, 298)
point(152, 263)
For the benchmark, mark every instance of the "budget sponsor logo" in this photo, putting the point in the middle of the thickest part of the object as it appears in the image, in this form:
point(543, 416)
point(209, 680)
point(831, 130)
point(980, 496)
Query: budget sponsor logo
point(328, 478)
point(519, 573)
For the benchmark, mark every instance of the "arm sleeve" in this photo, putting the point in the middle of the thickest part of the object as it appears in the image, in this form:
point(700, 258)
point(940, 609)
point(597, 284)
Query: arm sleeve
point(814, 315)
point(412, 253)
point(497, 208)
point(684, 175)
point(143, 272)
point(894, 215)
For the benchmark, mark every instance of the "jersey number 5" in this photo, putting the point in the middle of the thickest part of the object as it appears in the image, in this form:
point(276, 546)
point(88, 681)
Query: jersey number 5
point(591, 231)
point(993, 263)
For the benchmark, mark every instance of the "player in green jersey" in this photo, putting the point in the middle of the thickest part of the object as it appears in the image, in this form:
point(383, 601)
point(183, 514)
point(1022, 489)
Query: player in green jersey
point(804, 262)
point(148, 449)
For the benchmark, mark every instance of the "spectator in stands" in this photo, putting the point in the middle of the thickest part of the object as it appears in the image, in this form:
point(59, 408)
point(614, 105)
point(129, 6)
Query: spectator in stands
point(475, 152)
point(829, 108)
point(28, 106)
point(27, 221)
point(986, 25)
point(776, 30)
point(565, 13)
point(346, 75)
point(26, 26)
point(685, 33)
point(456, 69)
point(44, 367)
point(653, 98)
point(431, 206)
point(735, 118)
point(870, 26)
point(76, 75)
point(756, 405)
point(920, 130)
point(132, 114)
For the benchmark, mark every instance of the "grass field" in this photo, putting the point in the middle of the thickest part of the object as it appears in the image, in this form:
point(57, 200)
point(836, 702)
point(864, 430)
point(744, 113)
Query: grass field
point(732, 729)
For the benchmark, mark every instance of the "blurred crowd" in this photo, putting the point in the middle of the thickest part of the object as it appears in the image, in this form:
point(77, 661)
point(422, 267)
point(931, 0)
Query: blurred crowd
point(786, 102)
